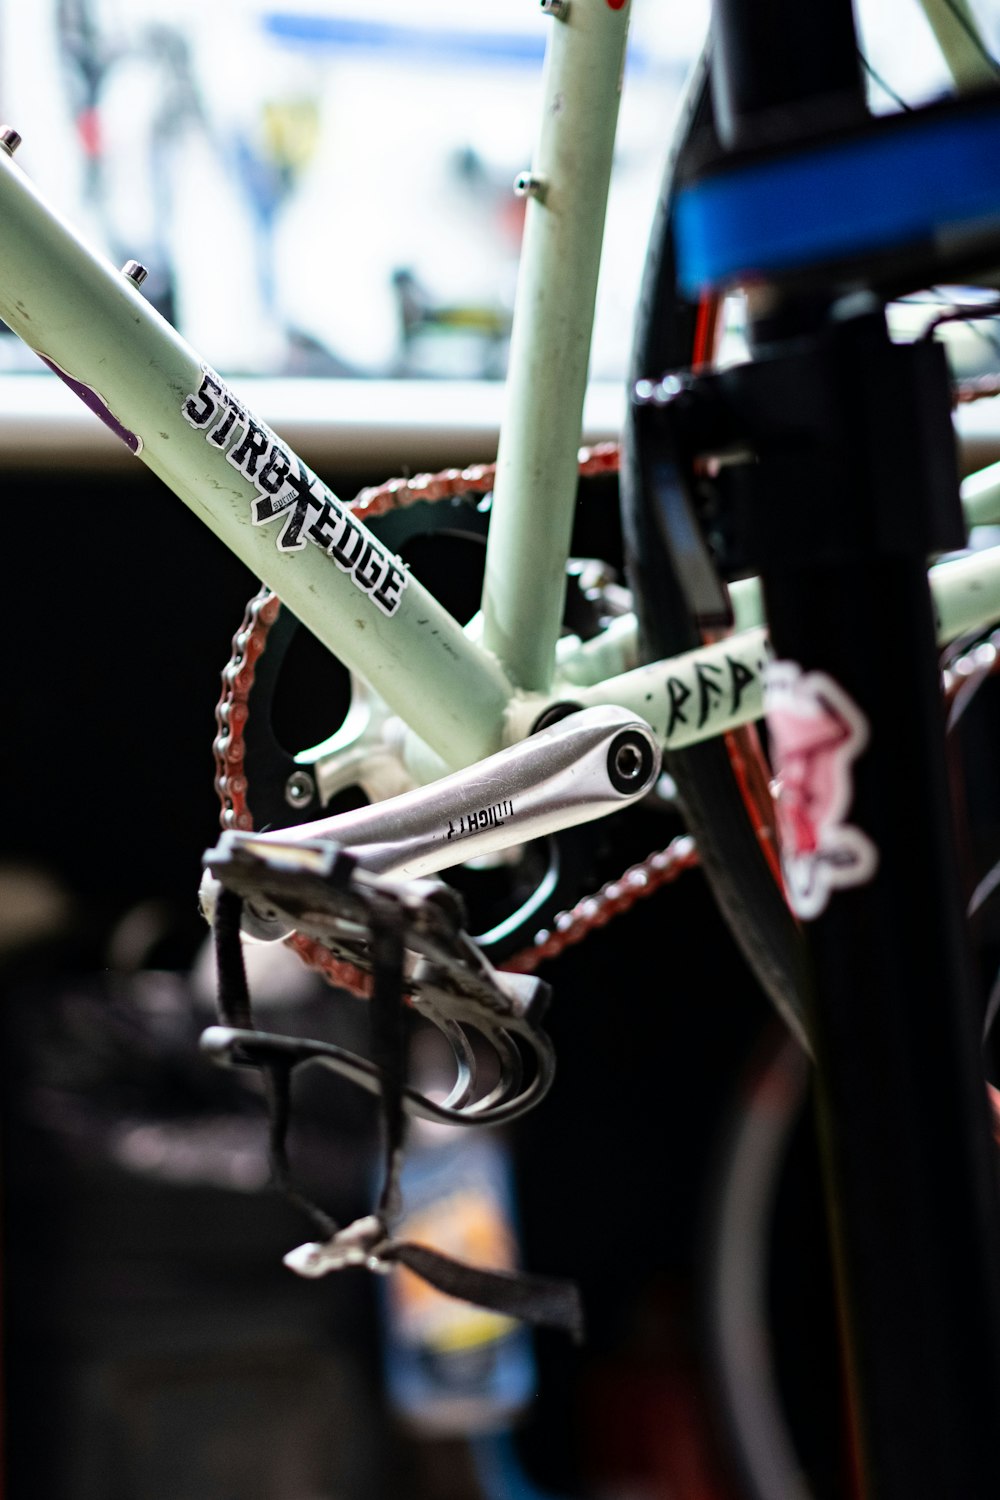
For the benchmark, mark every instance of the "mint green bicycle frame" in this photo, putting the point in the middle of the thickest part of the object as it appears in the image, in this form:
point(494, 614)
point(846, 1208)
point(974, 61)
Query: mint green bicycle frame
point(462, 693)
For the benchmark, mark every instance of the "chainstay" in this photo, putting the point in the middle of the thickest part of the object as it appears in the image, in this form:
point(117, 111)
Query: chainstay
point(233, 710)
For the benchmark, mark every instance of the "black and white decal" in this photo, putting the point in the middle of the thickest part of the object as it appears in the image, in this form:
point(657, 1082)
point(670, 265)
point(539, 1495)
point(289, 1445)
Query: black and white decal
point(712, 687)
point(494, 816)
point(289, 491)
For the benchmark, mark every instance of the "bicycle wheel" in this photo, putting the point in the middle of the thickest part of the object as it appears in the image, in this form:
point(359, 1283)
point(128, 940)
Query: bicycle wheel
point(713, 795)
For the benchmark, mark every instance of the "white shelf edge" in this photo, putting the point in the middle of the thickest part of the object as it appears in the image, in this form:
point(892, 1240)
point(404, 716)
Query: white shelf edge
point(382, 426)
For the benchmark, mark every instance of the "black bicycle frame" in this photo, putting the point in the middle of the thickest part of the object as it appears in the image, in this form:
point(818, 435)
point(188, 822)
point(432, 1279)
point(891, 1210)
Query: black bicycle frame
point(844, 514)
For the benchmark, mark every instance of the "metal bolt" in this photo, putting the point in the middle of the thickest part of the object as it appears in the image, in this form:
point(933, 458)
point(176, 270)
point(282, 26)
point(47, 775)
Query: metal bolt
point(135, 271)
point(530, 185)
point(628, 762)
point(10, 139)
point(557, 8)
point(299, 789)
point(658, 392)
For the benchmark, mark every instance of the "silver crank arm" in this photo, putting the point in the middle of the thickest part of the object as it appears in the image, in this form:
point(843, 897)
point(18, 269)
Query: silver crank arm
point(581, 768)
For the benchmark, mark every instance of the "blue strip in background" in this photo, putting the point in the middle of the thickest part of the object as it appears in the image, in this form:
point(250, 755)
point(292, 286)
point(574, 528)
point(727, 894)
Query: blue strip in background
point(335, 32)
point(839, 201)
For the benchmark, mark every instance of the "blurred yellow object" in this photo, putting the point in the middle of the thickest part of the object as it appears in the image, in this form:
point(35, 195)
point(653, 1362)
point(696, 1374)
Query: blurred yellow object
point(290, 131)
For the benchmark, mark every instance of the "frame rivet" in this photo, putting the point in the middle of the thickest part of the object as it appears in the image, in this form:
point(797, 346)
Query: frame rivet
point(10, 139)
point(557, 8)
point(135, 271)
point(530, 185)
point(299, 789)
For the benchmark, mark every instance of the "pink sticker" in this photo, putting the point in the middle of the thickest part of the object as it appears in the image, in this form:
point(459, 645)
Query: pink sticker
point(816, 733)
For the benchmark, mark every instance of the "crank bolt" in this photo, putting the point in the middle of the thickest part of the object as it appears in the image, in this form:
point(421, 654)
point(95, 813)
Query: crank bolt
point(10, 139)
point(630, 761)
point(134, 271)
point(299, 789)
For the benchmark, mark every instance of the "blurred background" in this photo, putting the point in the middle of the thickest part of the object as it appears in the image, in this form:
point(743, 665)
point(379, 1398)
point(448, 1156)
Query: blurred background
point(322, 187)
point(259, 158)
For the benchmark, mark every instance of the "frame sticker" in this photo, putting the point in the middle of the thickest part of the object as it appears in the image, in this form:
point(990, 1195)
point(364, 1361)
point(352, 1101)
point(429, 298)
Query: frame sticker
point(816, 733)
point(288, 490)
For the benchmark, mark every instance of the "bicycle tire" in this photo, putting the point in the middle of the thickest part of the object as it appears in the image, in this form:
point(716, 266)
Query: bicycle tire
point(715, 809)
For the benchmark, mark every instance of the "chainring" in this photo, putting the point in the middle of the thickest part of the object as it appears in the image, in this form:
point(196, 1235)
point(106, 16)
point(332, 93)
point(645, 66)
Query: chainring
point(514, 900)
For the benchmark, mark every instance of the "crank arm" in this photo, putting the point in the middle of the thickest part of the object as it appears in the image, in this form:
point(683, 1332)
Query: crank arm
point(583, 767)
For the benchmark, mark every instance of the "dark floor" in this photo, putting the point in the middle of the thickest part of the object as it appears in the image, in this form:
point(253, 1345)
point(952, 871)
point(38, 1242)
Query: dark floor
point(155, 1346)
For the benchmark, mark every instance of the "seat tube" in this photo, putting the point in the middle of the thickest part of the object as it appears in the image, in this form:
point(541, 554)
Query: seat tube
point(536, 481)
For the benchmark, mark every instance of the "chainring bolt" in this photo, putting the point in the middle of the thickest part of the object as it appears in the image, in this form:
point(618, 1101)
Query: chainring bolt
point(299, 789)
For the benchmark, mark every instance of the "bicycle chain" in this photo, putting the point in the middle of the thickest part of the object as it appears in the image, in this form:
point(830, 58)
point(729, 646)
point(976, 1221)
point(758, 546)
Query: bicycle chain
point(232, 712)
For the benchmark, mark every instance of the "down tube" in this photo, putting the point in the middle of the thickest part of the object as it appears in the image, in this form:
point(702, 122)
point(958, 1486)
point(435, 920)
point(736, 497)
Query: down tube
point(92, 326)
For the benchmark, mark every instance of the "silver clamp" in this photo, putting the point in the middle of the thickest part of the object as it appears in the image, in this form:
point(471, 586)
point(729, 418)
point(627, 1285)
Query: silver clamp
point(356, 1245)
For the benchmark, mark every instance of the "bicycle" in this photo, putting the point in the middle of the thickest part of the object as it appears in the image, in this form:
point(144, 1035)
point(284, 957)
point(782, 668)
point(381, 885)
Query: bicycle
point(454, 695)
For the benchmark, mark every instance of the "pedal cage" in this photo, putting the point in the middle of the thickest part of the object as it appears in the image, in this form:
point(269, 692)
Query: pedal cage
point(503, 1060)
